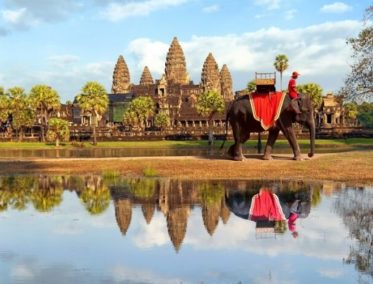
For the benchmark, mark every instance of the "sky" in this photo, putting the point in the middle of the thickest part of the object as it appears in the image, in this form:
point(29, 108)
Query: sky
point(65, 44)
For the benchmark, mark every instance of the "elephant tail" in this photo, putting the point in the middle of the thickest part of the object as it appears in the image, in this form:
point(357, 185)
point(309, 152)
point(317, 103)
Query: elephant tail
point(226, 126)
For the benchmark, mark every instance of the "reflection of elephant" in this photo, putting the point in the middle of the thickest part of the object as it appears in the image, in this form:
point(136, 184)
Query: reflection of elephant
point(242, 121)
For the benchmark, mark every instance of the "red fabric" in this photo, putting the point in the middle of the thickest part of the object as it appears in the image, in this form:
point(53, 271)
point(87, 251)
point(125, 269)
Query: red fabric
point(266, 206)
point(291, 221)
point(292, 88)
point(266, 107)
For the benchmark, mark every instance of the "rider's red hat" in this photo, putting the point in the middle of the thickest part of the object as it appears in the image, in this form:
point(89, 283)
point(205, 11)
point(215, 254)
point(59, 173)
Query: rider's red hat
point(295, 74)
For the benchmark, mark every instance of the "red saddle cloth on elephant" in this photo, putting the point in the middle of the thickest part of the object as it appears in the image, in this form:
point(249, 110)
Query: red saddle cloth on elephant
point(267, 107)
point(266, 206)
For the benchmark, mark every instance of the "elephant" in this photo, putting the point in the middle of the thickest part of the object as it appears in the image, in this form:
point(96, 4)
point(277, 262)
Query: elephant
point(242, 121)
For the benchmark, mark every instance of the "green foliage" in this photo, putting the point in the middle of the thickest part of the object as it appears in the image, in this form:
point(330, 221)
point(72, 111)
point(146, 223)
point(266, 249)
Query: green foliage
point(211, 193)
point(45, 100)
point(365, 114)
point(4, 105)
point(143, 188)
point(96, 197)
point(94, 100)
point(209, 103)
point(281, 64)
point(149, 172)
point(58, 130)
point(162, 120)
point(280, 226)
point(47, 193)
point(110, 174)
point(314, 91)
point(138, 111)
point(359, 83)
point(251, 86)
point(21, 109)
point(351, 111)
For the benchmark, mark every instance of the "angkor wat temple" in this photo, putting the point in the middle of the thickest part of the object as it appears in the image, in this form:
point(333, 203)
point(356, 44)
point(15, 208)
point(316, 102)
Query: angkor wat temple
point(174, 93)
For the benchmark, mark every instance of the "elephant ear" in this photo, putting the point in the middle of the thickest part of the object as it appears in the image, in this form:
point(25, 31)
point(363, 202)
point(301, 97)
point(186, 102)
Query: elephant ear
point(305, 103)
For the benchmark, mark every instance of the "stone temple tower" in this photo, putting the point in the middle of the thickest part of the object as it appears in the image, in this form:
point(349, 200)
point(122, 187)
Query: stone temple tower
point(146, 77)
point(226, 83)
point(175, 69)
point(121, 77)
point(210, 78)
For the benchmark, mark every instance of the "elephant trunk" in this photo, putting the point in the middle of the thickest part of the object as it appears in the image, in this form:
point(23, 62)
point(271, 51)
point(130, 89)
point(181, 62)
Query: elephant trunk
point(311, 126)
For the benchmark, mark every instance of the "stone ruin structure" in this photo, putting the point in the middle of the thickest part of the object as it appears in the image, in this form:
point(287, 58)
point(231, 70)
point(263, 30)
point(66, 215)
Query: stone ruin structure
point(331, 111)
point(174, 93)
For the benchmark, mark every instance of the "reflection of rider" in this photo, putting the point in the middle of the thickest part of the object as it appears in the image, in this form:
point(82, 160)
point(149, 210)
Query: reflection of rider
point(291, 213)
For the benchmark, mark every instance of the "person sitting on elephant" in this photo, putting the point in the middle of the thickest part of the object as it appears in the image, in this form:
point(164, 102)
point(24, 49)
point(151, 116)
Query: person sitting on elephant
point(293, 93)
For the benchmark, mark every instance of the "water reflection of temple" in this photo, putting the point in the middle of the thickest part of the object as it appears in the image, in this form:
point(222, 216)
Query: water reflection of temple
point(175, 199)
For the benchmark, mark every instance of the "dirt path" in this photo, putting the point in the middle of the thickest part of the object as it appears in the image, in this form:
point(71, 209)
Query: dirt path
point(349, 166)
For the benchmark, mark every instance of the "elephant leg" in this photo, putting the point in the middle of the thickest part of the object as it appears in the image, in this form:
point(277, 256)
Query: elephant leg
point(272, 137)
point(235, 151)
point(287, 129)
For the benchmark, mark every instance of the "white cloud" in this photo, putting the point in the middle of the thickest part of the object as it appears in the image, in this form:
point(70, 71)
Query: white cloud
point(211, 9)
point(24, 14)
point(319, 52)
point(336, 7)
point(121, 273)
point(117, 11)
point(153, 234)
point(21, 271)
point(290, 14)
point(19, 18)
point(149, 53)
point(331, 273)
point(269, 4)
point(64, 59)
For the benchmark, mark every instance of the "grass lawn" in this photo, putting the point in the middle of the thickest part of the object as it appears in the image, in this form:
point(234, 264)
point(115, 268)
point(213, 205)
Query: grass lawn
point(358, 142)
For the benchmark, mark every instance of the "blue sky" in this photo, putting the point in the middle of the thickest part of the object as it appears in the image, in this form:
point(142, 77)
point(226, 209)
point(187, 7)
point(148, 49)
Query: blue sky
point(67, 43)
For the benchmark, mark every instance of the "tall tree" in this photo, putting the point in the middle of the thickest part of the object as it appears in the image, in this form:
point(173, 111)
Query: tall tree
point(4, 106)
point(93, 100)
point(45, 100)
point(23, 114)
point(314, 91)
point(351, 112)
point(208, 104)
point(138, 111)
point(58, 130)
point(281, 64)
point(359, 83)
point(162, 120)
point(251, 86)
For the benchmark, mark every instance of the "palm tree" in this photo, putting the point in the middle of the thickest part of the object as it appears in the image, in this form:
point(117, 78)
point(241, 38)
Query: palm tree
point(4, 106)
point(93, 100)
point(208, 104)
point(23, 115)
point(138, 111)
point(58, 130)
point(162, 120)
point(281, 64)
point(314, 91)
point(45, 100)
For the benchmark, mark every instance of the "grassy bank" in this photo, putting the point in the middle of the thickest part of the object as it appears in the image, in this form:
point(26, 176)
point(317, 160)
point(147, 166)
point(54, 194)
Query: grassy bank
point(348, 166)
point(352, 142)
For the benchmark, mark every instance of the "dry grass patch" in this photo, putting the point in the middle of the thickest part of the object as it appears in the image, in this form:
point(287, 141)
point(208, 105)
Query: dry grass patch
point(348, 166)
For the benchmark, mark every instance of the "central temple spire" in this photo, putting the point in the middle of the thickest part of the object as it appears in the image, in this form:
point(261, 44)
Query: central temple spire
point(175, 68)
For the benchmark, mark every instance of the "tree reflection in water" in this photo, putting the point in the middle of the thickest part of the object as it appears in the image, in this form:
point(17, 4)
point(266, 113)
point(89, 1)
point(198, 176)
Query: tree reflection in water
point(96, 195)
point(355, 206)
point(176, 198)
